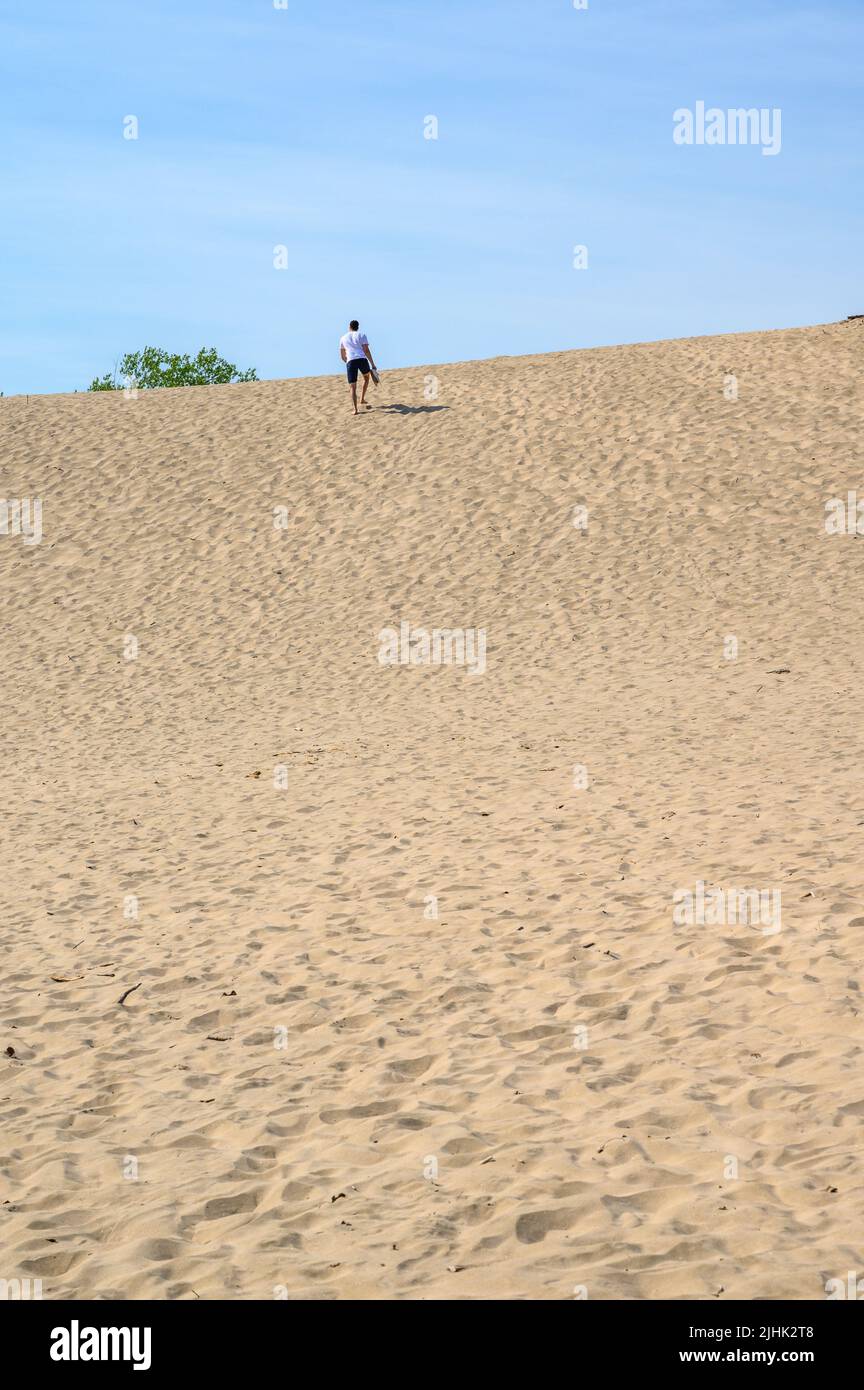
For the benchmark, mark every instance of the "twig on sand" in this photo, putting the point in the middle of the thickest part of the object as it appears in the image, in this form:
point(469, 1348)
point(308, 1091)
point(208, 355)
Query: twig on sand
point(129, 991)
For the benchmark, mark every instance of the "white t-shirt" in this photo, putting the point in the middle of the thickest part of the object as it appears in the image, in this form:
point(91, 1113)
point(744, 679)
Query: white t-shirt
point(354, 343)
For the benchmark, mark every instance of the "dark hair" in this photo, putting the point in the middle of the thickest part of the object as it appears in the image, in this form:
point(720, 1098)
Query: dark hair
point(353, 325)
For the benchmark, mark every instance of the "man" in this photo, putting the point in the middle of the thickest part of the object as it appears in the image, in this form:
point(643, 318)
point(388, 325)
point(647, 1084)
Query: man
point(357, 355)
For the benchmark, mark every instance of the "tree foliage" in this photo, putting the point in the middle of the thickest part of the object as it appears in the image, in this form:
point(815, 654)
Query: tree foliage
point(154, 368)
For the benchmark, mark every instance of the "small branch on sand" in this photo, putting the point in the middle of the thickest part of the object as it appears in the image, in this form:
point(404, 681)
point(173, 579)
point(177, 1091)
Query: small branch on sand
point(129, 991)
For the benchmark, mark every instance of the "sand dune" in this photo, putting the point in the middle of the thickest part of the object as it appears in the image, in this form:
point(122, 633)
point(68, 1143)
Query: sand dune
point(318, 1086)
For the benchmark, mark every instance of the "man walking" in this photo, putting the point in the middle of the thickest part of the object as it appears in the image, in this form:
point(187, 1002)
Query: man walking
point(357, 355)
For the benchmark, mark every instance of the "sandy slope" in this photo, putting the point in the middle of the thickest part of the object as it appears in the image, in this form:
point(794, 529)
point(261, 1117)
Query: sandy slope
point(600, 1159)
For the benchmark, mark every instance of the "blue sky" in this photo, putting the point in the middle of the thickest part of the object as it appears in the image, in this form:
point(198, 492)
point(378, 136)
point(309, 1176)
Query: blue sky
point(304, 127)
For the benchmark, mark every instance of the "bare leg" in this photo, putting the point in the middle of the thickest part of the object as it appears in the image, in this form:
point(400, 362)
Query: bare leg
point(365, 389)
point(354, 396)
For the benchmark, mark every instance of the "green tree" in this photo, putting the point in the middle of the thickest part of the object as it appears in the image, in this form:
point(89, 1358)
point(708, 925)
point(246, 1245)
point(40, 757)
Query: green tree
point(155, 368)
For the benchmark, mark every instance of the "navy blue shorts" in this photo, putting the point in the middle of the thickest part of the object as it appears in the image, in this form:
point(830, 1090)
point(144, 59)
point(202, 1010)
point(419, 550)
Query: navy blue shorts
point(358, 364)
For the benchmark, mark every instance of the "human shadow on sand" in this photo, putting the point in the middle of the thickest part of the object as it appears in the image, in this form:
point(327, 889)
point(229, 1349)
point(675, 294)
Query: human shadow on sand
point(413, 409)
